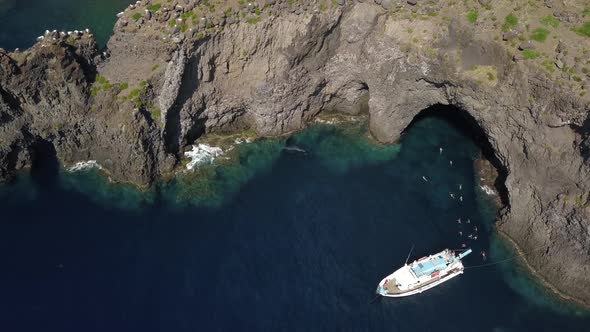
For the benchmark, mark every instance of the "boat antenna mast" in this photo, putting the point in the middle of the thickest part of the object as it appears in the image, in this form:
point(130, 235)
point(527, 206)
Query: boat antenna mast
point(407, 258)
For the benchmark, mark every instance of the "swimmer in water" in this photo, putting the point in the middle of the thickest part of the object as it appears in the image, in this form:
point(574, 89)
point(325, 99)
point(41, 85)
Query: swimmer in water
point(424, 178)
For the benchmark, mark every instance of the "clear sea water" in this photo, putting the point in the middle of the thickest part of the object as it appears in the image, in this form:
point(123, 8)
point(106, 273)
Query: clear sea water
point(22, 21)
point(273, 241)
point(269, 240)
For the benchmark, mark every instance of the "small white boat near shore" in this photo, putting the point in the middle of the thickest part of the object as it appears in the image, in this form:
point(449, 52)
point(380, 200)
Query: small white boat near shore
point(423, 274)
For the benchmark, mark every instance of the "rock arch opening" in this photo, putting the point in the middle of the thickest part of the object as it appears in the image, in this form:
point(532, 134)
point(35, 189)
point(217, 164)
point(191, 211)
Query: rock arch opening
point(352, 98)
point(465, 123)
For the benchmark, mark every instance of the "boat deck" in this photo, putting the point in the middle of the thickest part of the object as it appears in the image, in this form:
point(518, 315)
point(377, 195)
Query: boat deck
point(392, 288)
point(428, 266)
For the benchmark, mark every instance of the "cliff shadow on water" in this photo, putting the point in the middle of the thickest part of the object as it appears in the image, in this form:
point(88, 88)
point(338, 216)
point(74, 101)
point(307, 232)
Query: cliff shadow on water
point(468, 126)
point(46, 167)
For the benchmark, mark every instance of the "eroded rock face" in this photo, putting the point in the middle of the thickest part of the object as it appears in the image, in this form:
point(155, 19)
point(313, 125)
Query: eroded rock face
point(276, 75)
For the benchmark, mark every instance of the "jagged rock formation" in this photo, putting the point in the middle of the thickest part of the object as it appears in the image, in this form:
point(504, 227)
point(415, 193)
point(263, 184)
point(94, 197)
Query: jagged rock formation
point(158, 93)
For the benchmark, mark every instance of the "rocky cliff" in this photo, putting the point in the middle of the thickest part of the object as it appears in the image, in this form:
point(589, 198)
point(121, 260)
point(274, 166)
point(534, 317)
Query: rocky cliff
point(171, 74)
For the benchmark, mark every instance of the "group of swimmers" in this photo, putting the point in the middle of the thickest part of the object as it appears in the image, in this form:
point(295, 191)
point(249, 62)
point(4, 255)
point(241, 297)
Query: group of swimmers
point(472, 236)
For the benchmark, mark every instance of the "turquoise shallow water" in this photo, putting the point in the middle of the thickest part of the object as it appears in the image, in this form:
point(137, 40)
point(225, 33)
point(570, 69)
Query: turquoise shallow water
point(274, 241)
point(21, 21)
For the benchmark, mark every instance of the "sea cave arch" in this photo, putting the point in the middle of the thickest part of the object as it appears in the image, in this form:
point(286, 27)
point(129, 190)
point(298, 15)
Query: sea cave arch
point(464, 122)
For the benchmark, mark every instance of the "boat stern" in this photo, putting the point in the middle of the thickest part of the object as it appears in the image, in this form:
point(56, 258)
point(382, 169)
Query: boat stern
point(381, 288)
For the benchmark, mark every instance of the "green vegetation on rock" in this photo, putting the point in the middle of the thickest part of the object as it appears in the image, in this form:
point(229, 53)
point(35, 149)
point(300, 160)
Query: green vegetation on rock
point(530, 54)
point(510, 22)
point(136, 16)
point(71, 41)
point(154, 8)
point(156, 113)
point(472, 15)
point(584, 30)
point(550, 20)
point(101, 80)
point(188, 15)
point(540, 35)
point(253, 20)
point(100, 84)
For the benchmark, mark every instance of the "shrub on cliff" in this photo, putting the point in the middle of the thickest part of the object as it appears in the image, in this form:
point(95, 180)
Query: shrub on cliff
point(550, 20)
point(472, 15)
point(527, 53)
point(154, 8)
point(540, 35)
point(584, 30)
point(510, 22)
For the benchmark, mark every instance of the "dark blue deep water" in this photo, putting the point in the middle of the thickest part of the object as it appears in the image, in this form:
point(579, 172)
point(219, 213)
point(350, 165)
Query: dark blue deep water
point(273, 241)
point(267, 241)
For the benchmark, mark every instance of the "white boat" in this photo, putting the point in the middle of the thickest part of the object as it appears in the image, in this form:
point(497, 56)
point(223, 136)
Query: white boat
point(423, 274)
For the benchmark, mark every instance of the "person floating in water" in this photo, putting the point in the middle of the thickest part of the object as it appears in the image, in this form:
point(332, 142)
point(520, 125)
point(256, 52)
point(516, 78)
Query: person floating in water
point(440, 150)
point(484, 256)
point(424, 178)
point(460, 187)
point(459, 221)
point(460, 233)
point(468, 221)
point(461, 198)
point(451, 162)
point(452, 195)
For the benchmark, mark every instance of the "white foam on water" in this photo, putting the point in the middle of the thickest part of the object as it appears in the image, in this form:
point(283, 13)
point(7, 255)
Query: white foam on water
point(241, 140)
point(489, 191)
point(330, 122)
point(84, 165)
point(202, 154)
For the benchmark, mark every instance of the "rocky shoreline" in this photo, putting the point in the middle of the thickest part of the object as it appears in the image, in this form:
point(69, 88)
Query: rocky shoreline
point(538, 276)
point(176, 70)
